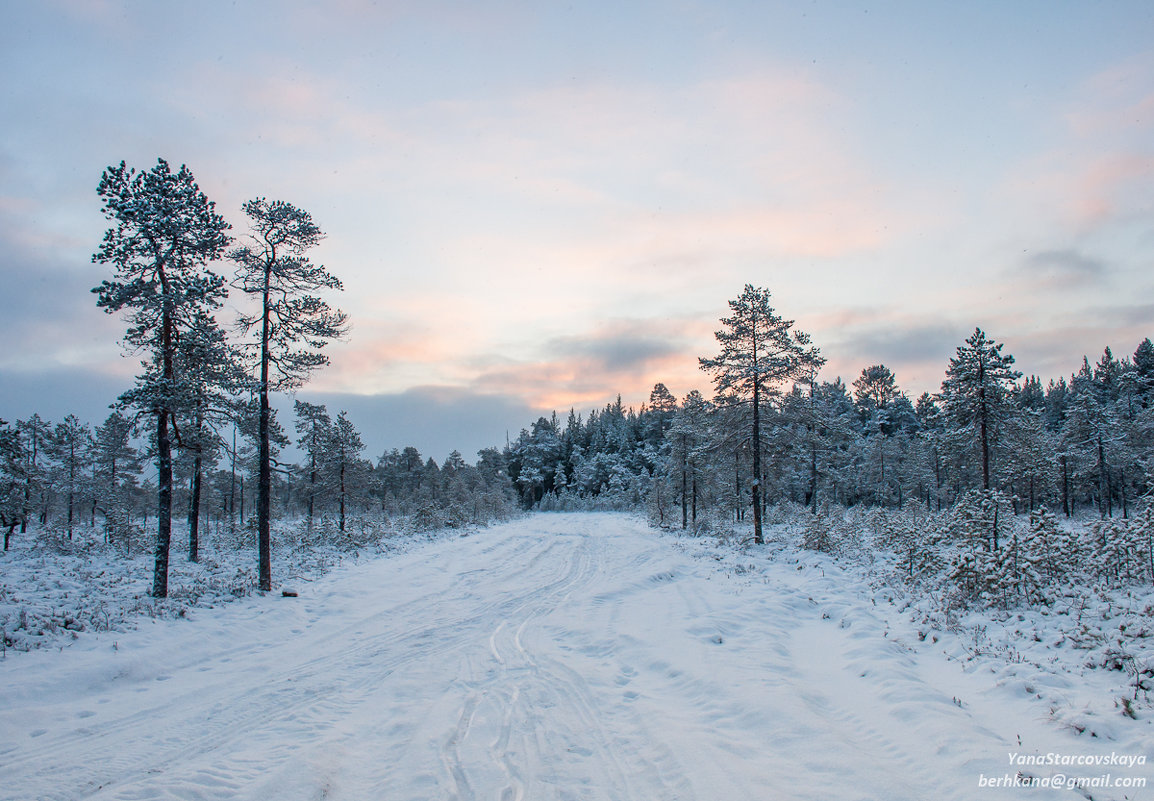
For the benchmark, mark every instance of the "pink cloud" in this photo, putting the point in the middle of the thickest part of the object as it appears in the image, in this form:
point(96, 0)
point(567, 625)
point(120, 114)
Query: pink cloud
point(1101, 166)
point(590, 368)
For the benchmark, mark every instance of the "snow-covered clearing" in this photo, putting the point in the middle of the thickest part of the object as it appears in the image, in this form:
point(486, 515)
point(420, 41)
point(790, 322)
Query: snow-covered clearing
point(579, 656)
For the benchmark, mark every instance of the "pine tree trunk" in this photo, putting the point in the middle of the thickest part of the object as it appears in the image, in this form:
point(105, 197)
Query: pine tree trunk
point(1101, 479)
point(937, 481)
point(994, 531)
point(737, 486)
point(342, 495)
point(194, 513)
point(264, 495)
point(312, 483)
point(813, 473)
point(163, 505)
point(92, 511)
point(1109, 493)
point(117, 499)
point(1065, 485)
point(984, 432)
point(71, 485)
point(684, 486)
point(264, 478)
point(695, 501)
point(164, 455)
point(882, 476)
point(313, 476)
point(985, 452)
point(756, 489)
point(27, 505)
point(28, 482)
point(1122, 491)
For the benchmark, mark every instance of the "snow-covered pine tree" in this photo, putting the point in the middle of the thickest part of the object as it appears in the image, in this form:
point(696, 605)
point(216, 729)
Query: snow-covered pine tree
point(971, 576)
point(910, 534)
point(975, 396)
point(728, 450)
point(1090, 431)
point(461, 488)
point(1120, 549)
point(534, 458)
point(212, 376)
point(344, 460)
point(1143, 373)
point(13, 504)
point(1055, 550)
point(1030, 468)
point(875, 391)
point(1142, 527)
point(833, 439)
point(1110, 378)
point(760, 353)
point(34, 434)
point(291, 325)
point(166, 231)
point(987, 562)
point(117, 465)
point(934, 439)
point(685, 441)
point(659, 415)
point(69, 447)
point(314, 432)
point(979, 519)
point(1015, 577)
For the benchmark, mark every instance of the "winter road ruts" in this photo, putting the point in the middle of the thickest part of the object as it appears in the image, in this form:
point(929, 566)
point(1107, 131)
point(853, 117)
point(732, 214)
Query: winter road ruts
point(557, 657)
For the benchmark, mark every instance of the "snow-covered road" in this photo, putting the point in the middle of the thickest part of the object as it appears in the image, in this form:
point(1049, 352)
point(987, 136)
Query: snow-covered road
point(557, 657)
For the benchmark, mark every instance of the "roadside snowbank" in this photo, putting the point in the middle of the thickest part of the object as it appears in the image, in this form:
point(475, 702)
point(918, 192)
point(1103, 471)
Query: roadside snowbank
point(52, 591)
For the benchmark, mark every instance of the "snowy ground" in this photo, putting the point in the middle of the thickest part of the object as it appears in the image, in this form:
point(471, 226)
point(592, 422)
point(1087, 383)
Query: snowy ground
point(558, 657)
point(54, 591)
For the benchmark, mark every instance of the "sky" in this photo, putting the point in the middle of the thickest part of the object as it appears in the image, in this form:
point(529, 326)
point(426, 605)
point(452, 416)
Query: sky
point(538, 206)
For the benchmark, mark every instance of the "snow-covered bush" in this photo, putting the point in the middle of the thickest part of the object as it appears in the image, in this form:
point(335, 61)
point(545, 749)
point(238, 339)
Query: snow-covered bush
point(979, 518)
point(1120, 550)
point(1054, 549)
point(914, 538)
point(1015, 578)
point(427, 517)
point(817, 535)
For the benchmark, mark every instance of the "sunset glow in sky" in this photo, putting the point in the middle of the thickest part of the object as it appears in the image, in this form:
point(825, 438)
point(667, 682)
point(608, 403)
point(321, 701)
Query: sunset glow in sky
point(540, 205)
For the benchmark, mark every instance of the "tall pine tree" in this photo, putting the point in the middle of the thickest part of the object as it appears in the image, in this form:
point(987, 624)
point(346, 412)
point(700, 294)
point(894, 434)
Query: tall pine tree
point(291, 324)
point(976, 392)
point(760, 352)
point(165, 233)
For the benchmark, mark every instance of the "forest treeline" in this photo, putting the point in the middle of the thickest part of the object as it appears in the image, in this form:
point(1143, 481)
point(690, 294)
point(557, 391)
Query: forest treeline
point(1082, 443)
point(1074, 444)
point(98, 482)
point(1078, 443)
